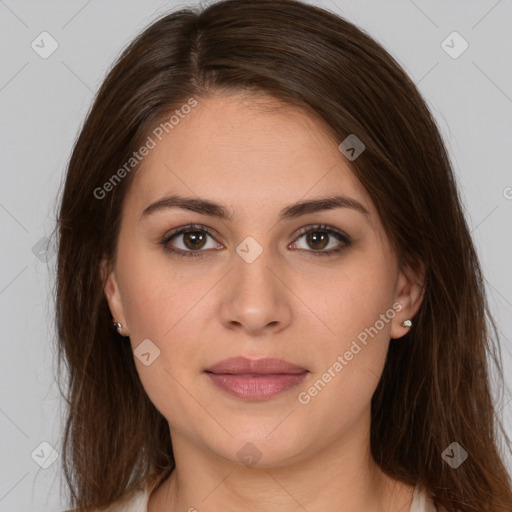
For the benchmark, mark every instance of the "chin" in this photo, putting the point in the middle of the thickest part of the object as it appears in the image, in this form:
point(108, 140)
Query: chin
point(256, 448)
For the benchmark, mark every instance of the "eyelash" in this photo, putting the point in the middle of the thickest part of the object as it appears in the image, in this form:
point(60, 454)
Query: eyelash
point(330, 230)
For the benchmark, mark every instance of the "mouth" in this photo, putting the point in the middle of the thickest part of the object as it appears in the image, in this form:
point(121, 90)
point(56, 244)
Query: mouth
point(255, 379)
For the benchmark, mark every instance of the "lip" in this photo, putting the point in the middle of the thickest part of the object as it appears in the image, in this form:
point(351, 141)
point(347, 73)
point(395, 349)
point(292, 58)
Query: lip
point(254, 386)
point(255, 379)
point(262, 366)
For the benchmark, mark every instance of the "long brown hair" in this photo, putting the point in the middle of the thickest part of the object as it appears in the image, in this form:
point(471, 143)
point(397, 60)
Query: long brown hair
point(435, 388)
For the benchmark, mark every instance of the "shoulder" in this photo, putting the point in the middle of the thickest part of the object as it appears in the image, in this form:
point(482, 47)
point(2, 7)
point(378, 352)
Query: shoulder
point(422, 501)
point(134, 500)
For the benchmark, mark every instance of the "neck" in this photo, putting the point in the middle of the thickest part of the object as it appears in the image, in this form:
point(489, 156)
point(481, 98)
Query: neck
point(342, 476)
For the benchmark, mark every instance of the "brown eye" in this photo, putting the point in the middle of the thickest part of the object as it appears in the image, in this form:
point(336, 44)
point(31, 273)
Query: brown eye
point(322, 240)
point(194, 239)
point(317, 239)
point(189, 240)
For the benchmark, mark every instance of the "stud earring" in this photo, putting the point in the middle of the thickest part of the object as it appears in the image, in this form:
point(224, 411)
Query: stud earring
point(117, 327)
point(407, 323)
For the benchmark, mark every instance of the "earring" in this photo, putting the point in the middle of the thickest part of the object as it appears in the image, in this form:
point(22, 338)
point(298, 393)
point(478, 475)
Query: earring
point(116, 326)
point(407, 323)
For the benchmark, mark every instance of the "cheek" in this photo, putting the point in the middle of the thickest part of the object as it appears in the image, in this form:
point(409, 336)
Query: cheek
point(154, 294)
point(161, 313)
point(161, 305)
point(351, 299)
point(356, 306)
point(349, 363)
point(362, 310)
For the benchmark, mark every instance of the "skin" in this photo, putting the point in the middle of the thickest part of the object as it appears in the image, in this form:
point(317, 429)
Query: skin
point(288, 303)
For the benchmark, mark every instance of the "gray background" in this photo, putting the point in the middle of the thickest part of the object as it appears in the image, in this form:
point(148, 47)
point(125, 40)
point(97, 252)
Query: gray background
point(43, 103)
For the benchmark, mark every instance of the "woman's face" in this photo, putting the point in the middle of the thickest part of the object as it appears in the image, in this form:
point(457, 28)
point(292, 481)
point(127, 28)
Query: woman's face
point(264, 282)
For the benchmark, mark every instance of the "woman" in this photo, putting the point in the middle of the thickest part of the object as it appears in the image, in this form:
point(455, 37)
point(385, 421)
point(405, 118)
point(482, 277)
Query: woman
point(261, 205)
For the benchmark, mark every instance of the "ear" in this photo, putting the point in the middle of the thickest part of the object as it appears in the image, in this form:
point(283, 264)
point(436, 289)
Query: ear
point(410, 291)
point(112, 294)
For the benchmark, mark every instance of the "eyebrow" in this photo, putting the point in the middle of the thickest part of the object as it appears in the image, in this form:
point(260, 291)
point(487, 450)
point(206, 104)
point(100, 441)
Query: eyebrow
point(212, 209)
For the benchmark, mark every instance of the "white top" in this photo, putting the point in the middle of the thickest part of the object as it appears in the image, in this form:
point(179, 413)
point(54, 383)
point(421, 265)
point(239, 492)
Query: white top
point(137, 501)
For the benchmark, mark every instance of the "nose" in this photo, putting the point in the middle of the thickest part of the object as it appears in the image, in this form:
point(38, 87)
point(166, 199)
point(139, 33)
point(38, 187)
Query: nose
point(256, 298)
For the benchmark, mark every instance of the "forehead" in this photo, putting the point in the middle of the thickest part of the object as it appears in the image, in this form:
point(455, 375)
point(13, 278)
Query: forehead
point(246, 150)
